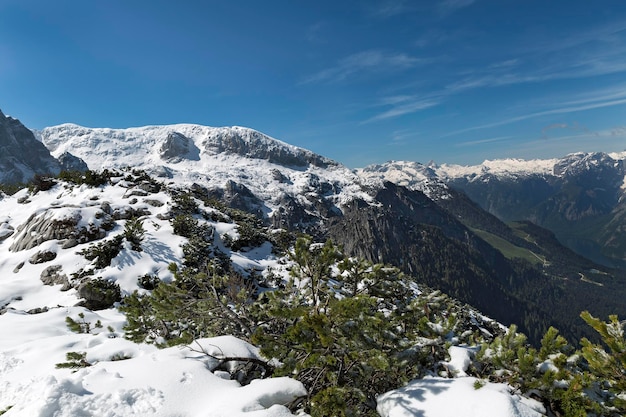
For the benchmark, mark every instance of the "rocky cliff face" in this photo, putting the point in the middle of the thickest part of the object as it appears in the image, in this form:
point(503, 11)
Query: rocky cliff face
point(70, 162)
point(582, 201)
point(411, 231)
point(434, 244)
point(21, 154)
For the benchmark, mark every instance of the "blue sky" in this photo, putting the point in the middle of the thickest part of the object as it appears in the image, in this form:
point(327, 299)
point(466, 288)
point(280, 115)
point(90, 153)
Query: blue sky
point(455, 81)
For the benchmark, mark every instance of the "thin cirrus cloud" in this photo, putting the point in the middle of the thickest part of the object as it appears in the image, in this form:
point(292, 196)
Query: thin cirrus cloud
point(483, 141)
point(596, 52)
point(367, 62)
point(405, 105)
point(409, 105)
point(563, 110)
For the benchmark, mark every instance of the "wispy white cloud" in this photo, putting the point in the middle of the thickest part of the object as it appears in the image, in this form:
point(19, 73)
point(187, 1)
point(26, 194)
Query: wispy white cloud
point(607, 33)
point(400, 137)
point(500, 74)
point(614, 92)
point(407, 106)
point(372, 61)
point(483, 141)
point(596, 52)
point(506, 63)
point(560, 126)
point(564, 110)
point(431, 38)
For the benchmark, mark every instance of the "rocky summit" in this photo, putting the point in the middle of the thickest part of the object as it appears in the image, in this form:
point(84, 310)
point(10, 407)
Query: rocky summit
point(21, 154)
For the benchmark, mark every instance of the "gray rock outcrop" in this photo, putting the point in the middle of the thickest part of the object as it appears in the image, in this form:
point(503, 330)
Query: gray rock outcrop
point(178, 147)
point(21, 154)
point(70, 162)
point(6, 230)
point(42, 256)
point(44, 226)
point(252, 144)
point(53, 275)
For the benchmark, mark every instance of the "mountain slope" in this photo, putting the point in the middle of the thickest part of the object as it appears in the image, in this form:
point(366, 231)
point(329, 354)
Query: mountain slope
point(289, 184)
point(21, 155)
point(581, 197)
point(440, 236)
point(63, 359)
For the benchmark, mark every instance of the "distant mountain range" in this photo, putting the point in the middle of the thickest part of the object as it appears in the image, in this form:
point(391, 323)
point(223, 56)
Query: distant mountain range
point(489, 235)
point(581, 197)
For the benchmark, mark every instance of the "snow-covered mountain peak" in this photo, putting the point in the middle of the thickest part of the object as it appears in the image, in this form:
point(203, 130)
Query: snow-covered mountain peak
point(132, 145)
point(510, 167)
point(576, 163)
point(412, 175)
point(271, 170)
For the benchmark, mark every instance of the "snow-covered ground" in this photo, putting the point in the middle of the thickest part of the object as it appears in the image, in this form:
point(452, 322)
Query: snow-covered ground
point(130, 379)
point(461, 396)
point(125, 379)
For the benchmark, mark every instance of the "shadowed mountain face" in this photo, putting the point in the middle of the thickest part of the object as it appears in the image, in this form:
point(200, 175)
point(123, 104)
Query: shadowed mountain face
point(583, 202)
point(520, 275)
point(21, 154)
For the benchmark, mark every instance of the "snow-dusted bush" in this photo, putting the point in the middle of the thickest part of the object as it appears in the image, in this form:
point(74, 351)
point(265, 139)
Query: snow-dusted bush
point(134, 233)
point(102, 253)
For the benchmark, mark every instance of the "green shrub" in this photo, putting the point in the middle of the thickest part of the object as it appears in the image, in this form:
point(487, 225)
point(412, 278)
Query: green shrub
point(342, 346)
point(134, 233)
point(555, 373)
point(194, 305)
point(81, 325)
point(184, 203)
point(41, 183)
point(148, 281)
point(185, 225)
point(250, 236)
point(75, 360)
point(102, 253)
point(10, 189)
point(92, 178)
point(608, 367)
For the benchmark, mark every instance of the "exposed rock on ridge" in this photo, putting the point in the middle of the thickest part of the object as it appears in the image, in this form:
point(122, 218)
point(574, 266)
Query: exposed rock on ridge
point(21, 154)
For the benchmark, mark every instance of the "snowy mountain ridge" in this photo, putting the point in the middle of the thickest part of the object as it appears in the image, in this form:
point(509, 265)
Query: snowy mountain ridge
point(213, 155)
point(185, 153)
point(295, 188)
point(412, 173)
point(148, 139)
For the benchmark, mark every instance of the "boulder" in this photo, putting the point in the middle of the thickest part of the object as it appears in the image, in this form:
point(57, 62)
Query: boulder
point(42, 256)
point(53, 275)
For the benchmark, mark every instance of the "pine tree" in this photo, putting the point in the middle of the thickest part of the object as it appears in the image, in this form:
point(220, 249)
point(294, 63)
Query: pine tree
point(608, 368)
point(332, 333)
point(134, 233)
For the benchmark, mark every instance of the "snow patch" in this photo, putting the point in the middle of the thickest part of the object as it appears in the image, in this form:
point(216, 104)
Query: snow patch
point(440, 397)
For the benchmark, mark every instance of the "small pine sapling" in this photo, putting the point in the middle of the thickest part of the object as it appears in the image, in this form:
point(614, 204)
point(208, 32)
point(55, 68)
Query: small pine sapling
point(74, 360)
point(134, 233)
